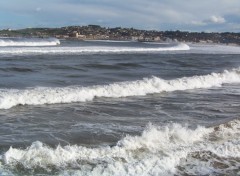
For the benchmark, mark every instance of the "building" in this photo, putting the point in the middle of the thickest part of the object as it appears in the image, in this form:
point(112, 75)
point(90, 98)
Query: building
point(74, 34)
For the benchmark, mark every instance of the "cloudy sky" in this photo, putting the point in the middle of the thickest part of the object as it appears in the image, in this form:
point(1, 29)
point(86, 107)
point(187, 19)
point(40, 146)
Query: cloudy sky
point(190, 15)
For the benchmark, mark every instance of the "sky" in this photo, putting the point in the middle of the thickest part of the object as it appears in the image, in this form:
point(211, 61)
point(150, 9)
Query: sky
point(186, 15)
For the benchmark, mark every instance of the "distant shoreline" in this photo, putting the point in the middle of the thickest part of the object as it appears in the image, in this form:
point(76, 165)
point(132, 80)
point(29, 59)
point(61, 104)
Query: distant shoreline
point(95, 32)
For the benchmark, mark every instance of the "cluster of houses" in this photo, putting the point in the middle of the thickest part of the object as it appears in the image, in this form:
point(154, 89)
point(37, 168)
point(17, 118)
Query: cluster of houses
point(79, 36)
point(96, 32)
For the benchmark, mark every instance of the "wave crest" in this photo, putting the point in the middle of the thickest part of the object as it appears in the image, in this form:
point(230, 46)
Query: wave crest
point(91, 50)
point(164, 150)
point(155, 151)
point(29, 42)
point(47, 95)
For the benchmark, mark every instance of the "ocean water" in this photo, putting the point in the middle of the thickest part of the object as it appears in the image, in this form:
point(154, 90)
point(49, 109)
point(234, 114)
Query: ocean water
point(118, 108)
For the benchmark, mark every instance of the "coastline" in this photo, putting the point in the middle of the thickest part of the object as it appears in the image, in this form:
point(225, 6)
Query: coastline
point(95, 32)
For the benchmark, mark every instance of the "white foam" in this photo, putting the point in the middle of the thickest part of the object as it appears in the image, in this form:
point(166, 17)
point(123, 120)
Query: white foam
point(48, 95)
point(89, 50)
point(219, 154)
point(229, 135)
point(159, 150)
point(29, 42)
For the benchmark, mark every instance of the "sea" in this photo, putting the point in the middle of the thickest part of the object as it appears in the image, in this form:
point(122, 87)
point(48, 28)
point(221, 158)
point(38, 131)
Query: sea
point(118, 108)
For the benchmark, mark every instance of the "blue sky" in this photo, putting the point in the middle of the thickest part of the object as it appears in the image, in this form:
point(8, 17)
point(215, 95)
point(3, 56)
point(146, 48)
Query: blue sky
point(190, 15)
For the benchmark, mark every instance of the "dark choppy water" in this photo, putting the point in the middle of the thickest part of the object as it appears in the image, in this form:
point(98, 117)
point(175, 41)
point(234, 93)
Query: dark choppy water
point(118, 108)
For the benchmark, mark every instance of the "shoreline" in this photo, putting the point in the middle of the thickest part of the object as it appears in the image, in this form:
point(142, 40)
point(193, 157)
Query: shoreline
point(95, 32)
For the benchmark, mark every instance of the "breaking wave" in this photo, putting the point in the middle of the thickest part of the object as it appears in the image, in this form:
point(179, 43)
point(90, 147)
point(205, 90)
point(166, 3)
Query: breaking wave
point(29, 42)
point(90, 50)
point(160, 150)
point(49, 95)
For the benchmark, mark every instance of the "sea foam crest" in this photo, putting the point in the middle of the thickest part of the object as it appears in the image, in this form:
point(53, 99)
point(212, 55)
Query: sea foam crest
point(91, 50)
point(172, 149)
point(218, 155)
point(48, 95)
point(157, 151)
point(29, 42)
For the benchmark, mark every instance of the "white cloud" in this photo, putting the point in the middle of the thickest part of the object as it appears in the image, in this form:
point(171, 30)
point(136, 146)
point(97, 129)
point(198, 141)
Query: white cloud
point(157, 14)
point(217, 19)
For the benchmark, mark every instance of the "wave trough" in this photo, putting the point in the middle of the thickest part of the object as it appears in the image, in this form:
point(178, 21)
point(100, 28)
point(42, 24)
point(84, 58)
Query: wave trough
point(29, 42)
point(47, 95)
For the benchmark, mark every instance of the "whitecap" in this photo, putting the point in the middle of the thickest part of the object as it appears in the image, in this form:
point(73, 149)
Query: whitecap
point(53, 95)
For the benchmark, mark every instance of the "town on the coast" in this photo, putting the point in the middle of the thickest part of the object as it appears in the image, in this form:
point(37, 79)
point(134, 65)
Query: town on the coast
point(96, 32)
